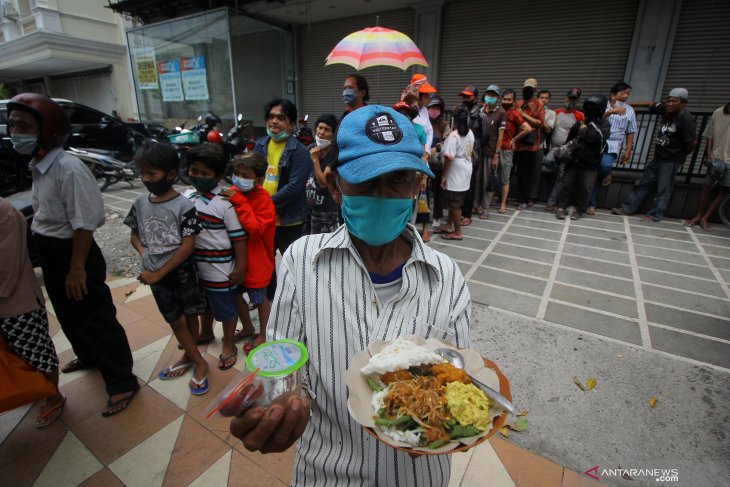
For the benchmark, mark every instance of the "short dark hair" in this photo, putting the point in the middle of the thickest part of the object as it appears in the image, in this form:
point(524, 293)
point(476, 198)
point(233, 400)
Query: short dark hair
point(362, 84)
point(327, 119)
point(157, 155)
point(210, 155)
point(543, 92)
point(254, 161)
point(620, 86)
point(508, 91)
point(410, 98)
point(288, 108)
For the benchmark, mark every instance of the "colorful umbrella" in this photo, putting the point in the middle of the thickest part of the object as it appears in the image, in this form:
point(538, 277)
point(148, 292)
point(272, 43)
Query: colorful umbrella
point(376, 46)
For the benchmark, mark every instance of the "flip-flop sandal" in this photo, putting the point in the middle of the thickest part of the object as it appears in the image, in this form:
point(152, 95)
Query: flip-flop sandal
point(74, 365)
point(50, 416)
point(439, 231)
point(123, 401)
point(203, 341)
point(223, 359)
point(244, 337)
point(451, 237)
point(165, 374)
point(502, 210)
point(465, 222)
point(201, 386)
point(484, 215)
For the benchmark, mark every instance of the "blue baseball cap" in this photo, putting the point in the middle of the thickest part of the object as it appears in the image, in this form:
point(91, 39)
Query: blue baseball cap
point(375, 140)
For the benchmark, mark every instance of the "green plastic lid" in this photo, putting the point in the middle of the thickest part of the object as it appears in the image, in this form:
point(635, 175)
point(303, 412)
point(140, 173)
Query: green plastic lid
point(278, 358)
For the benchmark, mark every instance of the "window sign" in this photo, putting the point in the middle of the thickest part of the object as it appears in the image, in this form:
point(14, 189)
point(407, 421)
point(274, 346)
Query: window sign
point(170, 82)
point(144, 62)
point(193, 76)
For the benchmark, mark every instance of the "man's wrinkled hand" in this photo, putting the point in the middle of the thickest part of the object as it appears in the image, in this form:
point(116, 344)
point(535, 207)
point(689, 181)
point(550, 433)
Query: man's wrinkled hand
point(274, 429)
point(625, 158)
point(148, 277)
point(314, 153)
point(76, 284)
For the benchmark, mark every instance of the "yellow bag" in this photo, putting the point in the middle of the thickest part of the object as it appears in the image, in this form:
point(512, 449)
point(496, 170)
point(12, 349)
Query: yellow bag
point(19, 382)
point(422, 206)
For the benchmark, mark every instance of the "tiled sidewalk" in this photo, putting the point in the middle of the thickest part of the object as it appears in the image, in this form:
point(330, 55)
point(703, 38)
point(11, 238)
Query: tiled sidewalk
point(164, 440)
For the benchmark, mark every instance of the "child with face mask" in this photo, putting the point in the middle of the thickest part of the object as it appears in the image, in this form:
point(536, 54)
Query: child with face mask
point(257, 216)
point(164, 227)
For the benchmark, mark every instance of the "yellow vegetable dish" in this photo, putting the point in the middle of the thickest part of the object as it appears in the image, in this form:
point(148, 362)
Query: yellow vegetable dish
point(468, 405)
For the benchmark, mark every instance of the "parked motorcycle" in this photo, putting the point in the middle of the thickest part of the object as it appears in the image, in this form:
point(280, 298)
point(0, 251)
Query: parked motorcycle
point(237, 138)
point(105, 167)
point(304, 133)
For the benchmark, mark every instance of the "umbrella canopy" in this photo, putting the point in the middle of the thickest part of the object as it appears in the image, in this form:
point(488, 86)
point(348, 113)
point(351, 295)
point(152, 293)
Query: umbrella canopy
point(376, 46)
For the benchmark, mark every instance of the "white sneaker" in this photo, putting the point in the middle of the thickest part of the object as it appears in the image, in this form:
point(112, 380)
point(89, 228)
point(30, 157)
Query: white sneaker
point(436, 223)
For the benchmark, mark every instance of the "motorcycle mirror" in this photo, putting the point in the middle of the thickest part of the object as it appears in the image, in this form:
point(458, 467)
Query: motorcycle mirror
point(306, 117)
point(240, 117)
point(200, 117)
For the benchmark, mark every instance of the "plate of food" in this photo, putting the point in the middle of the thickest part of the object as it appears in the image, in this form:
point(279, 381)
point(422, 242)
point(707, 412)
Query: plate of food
point(408, 396)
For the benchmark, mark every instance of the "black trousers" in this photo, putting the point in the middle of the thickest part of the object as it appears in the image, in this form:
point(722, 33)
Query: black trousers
point(528, 168)
point(91, 324)
point(577, 187)
point(438, 194)
point(283, 238)
point(466, 209)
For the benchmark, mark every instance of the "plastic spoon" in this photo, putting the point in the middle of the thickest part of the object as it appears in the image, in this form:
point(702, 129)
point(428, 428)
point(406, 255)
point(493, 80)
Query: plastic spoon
point(457, 360)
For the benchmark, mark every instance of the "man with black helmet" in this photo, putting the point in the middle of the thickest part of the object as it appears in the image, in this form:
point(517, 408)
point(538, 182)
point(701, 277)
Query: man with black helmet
point(68, 208)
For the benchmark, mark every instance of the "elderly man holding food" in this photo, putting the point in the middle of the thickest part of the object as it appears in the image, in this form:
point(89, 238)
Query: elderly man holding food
point(372, 279)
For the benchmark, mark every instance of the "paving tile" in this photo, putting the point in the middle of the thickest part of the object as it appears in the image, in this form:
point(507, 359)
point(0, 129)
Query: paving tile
point(526, 468)
point(85, 397)
point(480, 232)
point(669, 255)
point(119, 294)
point(725, 273)
point(601, 224)
point(26, 437)
point(472, 242)
point(575, 479)
point(512, 281)
point(459, 463)
point(686, 283)
point(553, 225)
point(523, 231)
point(660, 232)
point(621, 257)
point(21, 469)
point(246, 472)
point(720, 262)
point(143, 332)
point(525, 253)
point(126, 316)
point(689, 346)
point(147, 308)
point(186, 463)
point(102, 478)
point(464, 267)
point(612, 244)
point(517, 265)
point(593, 299)
point(665, 243)
point(536, 213)
point(676, 267)
point(485, 468)
point(530, 242)
point(593, 281)
point(717, 251)
point(588, 264)
point(70, 452)
point(503, 299)
point(688, 301)
point(686, 320)
point(610, 326)
point(147, 358)
point(280, 465)
point(146, 415)
point(456, 252)
point(217, 474)
point(597, 232)
point(10, 419)
point(707, 238)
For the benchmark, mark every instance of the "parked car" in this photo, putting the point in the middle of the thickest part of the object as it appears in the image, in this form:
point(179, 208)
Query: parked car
point(90, 129)
point(22, 202)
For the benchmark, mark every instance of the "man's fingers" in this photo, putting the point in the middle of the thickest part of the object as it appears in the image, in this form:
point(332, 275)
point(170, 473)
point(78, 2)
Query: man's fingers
point(242, 425)
point(267, 425)
point(304, 414)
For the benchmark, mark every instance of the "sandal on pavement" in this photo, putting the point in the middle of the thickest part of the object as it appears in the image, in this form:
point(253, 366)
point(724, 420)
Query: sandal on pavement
point(465, 222)
point(503, 210)
point(439, 231)
point(200, 386)
point(618, 211)
point(168, 373)
point(449, 236)
point(591, 211)
point(50, 416)
point(484, 215)
point(225, 358)
point(124, 402)
point(74, 365)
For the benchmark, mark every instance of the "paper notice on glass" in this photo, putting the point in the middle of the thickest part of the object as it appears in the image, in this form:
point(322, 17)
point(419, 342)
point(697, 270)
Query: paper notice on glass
point(146, 68)
point(170, 82)
point(194, 80)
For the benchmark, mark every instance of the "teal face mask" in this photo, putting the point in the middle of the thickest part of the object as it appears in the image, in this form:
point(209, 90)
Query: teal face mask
point(280, 137)
point(203, 185)
point(376, 221)
point(490, 100)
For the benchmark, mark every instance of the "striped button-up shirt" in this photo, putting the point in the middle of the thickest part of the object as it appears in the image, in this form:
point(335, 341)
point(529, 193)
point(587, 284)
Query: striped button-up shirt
point(325, 298)
point(620, 126)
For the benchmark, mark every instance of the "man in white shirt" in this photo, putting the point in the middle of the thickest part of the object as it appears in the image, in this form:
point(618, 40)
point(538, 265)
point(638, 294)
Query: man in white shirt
point(372, 279)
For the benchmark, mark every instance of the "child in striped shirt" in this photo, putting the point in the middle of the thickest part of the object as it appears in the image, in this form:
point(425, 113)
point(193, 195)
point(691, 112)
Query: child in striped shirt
point(221, 247)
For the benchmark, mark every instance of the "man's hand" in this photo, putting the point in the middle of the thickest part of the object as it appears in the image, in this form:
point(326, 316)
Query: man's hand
point(626, 157)
point(495, 161)
point(76, 284)
point(236, 275)
point(443, 182)
point(272, 430)
point(314, 153)
point(149, 277)
point(617, 110)
point(512, 144)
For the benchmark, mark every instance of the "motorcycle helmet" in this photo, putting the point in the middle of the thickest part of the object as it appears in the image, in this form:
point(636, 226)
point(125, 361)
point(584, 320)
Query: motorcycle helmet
point(436, 100)
point(214, 137)
point(594, 106)
point(53, 120)
point(211, 119)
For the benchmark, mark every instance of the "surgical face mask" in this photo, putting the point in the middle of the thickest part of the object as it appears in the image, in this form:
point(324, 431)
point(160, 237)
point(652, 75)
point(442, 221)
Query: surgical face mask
point(349, 95)
point(280, 137)
point(158, 188)
point(24, 144)
point(376, 221)
point(434, 113)
point(242, 184)
point(322, 143)
point(203, 185)
point(490, 100)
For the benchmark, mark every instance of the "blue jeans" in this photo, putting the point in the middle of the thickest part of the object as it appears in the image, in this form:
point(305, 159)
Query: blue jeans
point(607, 160)
point(656, 174)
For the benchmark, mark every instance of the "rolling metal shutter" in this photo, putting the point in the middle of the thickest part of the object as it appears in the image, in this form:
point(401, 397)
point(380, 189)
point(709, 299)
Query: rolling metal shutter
point(321, 87)
point(700, 59)
point(562, 44)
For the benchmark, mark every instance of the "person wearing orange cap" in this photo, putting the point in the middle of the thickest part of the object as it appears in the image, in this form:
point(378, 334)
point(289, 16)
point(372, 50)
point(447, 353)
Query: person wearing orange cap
point(420, 87)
